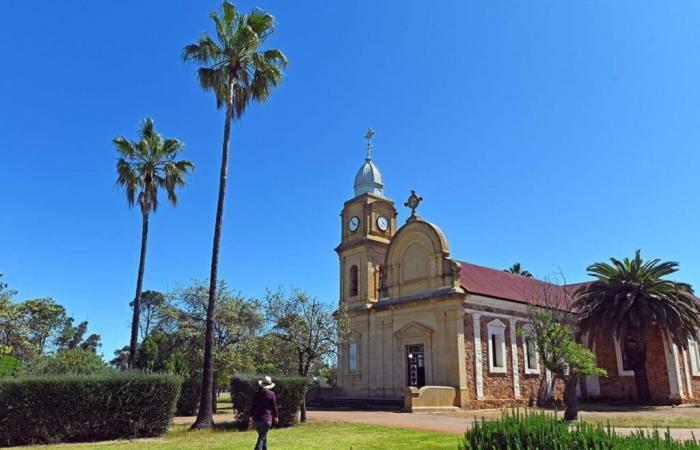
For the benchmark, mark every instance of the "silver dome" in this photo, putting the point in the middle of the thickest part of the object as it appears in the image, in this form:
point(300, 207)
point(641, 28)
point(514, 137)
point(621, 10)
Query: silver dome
point(369, 180)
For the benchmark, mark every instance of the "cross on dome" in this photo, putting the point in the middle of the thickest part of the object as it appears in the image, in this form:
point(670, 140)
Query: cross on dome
point(413, 202)
point(368, 136)
point(368, 179)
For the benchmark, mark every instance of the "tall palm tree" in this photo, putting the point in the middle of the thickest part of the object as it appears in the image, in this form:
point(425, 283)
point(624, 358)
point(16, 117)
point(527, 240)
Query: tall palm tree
point(626, 298)
point(143, 168)
point(517, 270)
point(235, 68)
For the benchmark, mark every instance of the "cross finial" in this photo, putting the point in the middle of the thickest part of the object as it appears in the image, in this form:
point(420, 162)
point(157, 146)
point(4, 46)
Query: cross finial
point(413, 202)
point(368, 136)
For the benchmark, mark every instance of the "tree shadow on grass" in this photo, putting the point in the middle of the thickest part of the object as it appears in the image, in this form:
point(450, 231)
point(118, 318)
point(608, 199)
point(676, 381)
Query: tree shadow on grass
point(227, 426)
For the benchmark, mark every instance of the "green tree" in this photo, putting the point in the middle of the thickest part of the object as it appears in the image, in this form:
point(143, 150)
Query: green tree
point(517, 270)
point(273, 355)
point(234, 67)
point(162, 352)
point(43, 318)
point(236, 321)
point(121, 358)
point(152, 318)
point(143, 168)
point(14, 335)
point(9, 365)
point(73, 337)
point(75, 361)
point(552, 333)
point(627, 297)
point(311, 328)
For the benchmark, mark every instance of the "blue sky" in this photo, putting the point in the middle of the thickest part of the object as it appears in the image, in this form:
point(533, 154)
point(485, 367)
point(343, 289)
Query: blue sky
point(554, 133)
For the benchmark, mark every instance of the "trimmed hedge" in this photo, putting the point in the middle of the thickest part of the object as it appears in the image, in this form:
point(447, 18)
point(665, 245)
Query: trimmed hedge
point(188, 402)
point(541, 431)
point(289, 390)
point(73, 408)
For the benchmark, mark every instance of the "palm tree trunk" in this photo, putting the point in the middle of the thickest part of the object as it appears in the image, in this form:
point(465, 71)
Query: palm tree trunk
point(636, 352)
point(214, 394)
point(133, 346)
point(204, 416)
point(641, 382)
point(570, 397)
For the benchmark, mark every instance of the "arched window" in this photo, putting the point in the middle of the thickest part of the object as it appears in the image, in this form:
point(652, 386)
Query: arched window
point(497, 346)
point(353, 281)
point(531, 356)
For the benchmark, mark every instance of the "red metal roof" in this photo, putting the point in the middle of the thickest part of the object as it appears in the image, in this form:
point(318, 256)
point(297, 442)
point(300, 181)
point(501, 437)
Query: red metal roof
point(504, 285)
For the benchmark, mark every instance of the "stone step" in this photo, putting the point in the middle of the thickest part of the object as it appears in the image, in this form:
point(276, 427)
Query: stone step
point(376, 404)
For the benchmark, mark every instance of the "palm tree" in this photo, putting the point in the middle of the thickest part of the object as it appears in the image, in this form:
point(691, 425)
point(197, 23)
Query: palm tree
point(144, 167)
point(516, 270)
point(237, 71)
point(627, 298)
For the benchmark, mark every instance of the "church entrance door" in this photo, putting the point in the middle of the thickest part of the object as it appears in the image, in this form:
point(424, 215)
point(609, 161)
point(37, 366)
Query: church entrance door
point(415, 363)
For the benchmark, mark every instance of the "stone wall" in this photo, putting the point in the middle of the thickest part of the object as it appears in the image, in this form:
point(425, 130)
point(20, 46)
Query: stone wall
point(499, 389)
point(621, 386)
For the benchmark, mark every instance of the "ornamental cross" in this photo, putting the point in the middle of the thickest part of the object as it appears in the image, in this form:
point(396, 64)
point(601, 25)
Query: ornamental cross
point(368, 136)
point(413, 202)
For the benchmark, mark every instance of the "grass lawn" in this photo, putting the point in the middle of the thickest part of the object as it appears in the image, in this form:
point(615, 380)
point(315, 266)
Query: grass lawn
point(619, 417)
point(320, 435)
point(651, 421)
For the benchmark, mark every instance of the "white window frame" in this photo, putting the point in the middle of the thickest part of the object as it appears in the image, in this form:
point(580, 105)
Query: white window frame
point(498, 329)
point(694, 350)
point(353, 357)
point(620, 366)
point(526, 353)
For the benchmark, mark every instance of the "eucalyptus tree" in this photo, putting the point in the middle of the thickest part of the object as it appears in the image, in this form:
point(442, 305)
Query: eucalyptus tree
point(144, 168)
point(43, 318)
point(235, 68)
point(628, 297)
point(311, 329)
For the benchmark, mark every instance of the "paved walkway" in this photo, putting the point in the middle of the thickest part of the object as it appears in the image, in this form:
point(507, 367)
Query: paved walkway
point(435, 422)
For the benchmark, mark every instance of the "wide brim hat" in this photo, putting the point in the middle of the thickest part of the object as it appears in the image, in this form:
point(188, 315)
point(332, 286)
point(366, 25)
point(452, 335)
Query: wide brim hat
point(266, 383)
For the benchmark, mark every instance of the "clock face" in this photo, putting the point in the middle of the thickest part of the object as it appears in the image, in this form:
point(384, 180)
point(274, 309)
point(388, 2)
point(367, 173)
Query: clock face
point(354, 223)
point(382, 223)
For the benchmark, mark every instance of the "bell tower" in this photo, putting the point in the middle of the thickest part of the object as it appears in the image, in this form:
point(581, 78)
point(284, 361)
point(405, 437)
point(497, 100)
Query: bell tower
point(368, 222)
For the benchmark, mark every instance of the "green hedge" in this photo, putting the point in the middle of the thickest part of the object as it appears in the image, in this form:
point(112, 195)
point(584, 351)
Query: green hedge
point(188, 403)
point(541, 431)
point(73, 408)
point(289, 391)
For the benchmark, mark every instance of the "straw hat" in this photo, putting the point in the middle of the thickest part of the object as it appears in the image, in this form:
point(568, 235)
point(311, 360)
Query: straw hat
point(266, 383)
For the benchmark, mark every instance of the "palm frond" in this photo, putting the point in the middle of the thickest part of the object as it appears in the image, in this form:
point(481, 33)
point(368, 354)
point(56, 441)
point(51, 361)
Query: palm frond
point(234, 67)
point(629, 296)
point(147, 165)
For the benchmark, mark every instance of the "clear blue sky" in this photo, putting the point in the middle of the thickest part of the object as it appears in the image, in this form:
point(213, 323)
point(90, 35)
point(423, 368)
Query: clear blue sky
point(553, 133)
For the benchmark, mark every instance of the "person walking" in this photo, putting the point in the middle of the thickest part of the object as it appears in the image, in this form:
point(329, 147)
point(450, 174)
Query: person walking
point(263, 411)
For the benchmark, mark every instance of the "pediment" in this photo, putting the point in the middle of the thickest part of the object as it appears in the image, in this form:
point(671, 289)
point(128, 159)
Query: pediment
point(414, 329)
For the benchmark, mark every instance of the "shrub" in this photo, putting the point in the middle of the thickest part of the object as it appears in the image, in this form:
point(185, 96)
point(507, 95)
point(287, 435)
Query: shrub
point(9, 366)
point(73, 408)
point(542, 431)
point(289, 391)
point(74, 361)
point(188, 403)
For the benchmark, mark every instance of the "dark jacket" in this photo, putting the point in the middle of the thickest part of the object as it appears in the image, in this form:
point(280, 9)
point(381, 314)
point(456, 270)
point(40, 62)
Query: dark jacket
point(264, 406)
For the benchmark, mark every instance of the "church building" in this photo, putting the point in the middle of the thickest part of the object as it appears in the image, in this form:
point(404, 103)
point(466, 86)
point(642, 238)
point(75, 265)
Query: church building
point(437, 332)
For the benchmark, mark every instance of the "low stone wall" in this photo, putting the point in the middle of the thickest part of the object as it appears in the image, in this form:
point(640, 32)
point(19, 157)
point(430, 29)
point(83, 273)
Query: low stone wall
point(431, 399)
point(317, 393)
